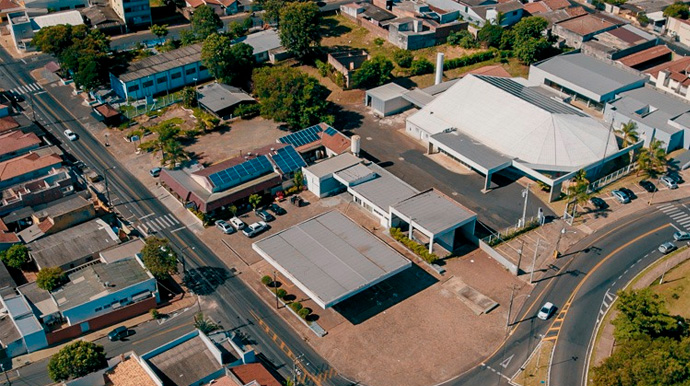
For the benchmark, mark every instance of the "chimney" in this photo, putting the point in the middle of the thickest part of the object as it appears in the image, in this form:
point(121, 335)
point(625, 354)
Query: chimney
point(439, 68)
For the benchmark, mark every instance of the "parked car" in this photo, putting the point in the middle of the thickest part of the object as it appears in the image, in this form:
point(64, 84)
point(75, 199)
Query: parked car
point(630, 193)
point(277, 209)
point(155, 172)
point(264, 215)
point(667, 247)
point(621, 196)
point(598, 203)
point(669, 182)
point(681, 236)
point(296, 201)
point(546, 310)
point(648, 186)
point(255, 229)
point(674, 176)
point(237, 223)
point(119, 333)
point(225, 227)
point(70, 135)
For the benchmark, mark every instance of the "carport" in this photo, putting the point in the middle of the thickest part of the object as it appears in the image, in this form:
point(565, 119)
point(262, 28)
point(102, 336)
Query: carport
point(436, 216)
point(471, 153)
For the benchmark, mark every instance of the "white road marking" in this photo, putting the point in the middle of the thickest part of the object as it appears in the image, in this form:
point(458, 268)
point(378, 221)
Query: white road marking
point(148, 215)
point(678, 229)
point(178, 229)
point(171, 218)
point(678, 215)
point(670, 209)
point(506, 362)
point(163, 220)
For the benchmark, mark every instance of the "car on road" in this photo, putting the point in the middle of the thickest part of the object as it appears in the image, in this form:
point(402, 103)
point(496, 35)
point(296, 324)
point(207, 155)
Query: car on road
point(264, 215)
point(237, 223)
point(620, 196)
point(669, 182)
point(648, 186)
point(255, 229)
point(598, 203)
point(119, 333)
point(225, 227)
point(277, 209)
point(667, 247)
point(70, 135)
point(681, 236)
point(546, 310)
point(155, 172)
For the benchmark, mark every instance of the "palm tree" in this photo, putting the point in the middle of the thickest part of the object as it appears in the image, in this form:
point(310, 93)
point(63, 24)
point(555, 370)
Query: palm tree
point(174, 153)
point(628, 132)
point(652, 159)
point(578, 190)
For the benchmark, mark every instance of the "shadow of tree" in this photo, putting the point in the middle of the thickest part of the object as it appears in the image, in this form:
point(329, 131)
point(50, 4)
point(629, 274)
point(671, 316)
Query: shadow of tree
point(205, 280)
point(331, 27)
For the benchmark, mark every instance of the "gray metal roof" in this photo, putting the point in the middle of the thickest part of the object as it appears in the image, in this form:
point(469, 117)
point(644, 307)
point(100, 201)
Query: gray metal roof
point(21, 314)
point(261, 41)
point(652, 107)
point(122, 251)
point(5, 277)
point(61, 206)
point(418, 97)
point(217, 97)
point(387, 92)
point(472, 149)
point(589, 73)
point(185, 363)
point(384, 191)
point(331, 257)
point(162, 62)
point(40, 299)
point(434, 211)
point(356, 173)
point(333, 164)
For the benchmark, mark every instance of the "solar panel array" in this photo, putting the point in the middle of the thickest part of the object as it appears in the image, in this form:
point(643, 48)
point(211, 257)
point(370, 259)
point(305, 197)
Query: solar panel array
point(288, 159)
point(302, 137)
point(243, 172)
point(331, 131)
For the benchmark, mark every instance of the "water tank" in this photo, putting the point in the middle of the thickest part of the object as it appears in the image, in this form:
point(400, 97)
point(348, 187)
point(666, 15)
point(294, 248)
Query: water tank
point(354, 145)
point(439, 68)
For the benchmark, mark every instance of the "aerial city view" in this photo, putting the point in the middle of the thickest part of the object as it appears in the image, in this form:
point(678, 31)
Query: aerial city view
point(344, 192)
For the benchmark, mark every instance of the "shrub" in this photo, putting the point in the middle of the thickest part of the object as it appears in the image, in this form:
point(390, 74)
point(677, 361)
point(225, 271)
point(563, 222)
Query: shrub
point(379, 42)
point(281, 293)
point(323, 67)
point(463, 39)
point(248, 111)
point(148, 146)
point(414, 246)
point(266, 280)
point(304, 312)
point(470, 59)
point(421, 66)
point(50, 278)
point(154, 313)
point(403, 58)
point(296, 306)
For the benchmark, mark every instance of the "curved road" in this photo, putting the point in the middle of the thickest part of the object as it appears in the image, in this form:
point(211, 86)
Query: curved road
point(605, 260)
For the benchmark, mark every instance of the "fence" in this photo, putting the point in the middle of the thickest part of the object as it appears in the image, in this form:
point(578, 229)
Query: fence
point(618, 174)
point(138, 108)
point(498, 237)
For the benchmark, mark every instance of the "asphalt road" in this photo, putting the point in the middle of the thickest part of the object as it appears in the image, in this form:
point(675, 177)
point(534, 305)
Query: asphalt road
point(605, 260)
point(214, 280)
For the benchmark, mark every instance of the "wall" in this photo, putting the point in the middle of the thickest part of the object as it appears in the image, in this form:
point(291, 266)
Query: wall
point(36, 341)
point(29, 176)
point(73, 218)
point(680, 29)
point(161, 82)
point(512, 268)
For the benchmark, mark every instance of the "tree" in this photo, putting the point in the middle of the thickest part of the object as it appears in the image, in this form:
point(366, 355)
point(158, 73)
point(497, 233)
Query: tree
point(628, 132)
point(642, 313)
point(236, 29)
point(227, 62)
point(16, 256)
point(289, 95)
point(490, 35)
point(205, 22)
point(578, 190)
point(174, 153)
point(205, 121)
point(272, 11)
point(187, 37)
point(531, 50)
point(53, 40)
point(49, 278)
point(678, 10)
point(254, 200)
point(652, 159)
point(161, 31)
point(76, 360)
point(298, 179)
point(373, 73)
point(421, 66)
point(300, 28)
point(529, 42)
point(403, 58)
point(159, 258)
point(463, 39)
point(204, 324)
point(189, 97)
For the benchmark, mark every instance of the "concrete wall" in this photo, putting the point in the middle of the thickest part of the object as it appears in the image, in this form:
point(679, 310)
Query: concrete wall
point(36, 341)
point(671, 141)
point(512, 268)
point(679, 29)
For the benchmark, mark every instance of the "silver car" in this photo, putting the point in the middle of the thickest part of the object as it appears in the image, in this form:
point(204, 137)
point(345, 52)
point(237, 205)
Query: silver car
point(681, 236)
point(669, 182)
point(621, 196)
point(254, 229)
point(225, 227)
point(667, 247)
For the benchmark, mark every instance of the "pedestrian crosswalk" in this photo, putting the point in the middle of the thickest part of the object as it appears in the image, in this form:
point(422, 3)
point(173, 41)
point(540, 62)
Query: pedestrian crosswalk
point(678, 215)
point(157, 224)
point(26, 89)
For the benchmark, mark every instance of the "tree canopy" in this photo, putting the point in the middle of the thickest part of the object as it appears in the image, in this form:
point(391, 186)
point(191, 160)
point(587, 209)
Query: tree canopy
point(160, 31)
point(300, 28)
point(528, 41)
point(642, 313)
point(76, 360)
point(205, 22)
point(15, 256)
point(288, 95)
point(227, 62)
point(490, 35)
point(159, 258)
point(372, 73)
point(272, 11)
point(678, 9)
point(49, 278)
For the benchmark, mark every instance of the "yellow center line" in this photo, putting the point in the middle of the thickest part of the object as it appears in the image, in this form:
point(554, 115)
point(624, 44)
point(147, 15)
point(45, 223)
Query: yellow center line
point(162, 332)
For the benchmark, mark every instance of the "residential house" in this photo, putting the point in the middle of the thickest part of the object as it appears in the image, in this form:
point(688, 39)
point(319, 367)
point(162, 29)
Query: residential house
point(266, 44)
point(221, 99)
point(411, 33)
point(16, 143)
point(346, 62)
point(672, 77)
point(28, 167)
point(101, 15)
point(135, 13)
point(58, 183)
point(479, 12)
point(619, 42)
point(577, 30)
point(7, 239)
point(220, 7)
point(57, 216)
point(679, 30)
point(22, 27)
point(20, 330)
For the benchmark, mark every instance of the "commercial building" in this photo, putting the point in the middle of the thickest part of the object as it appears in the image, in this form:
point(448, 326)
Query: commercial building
point(135, 13)
point(22, 27)
point(587, 79)
point(221, 100)
point(318, 141)
point(647, 58)
point(387, 99)
point(319, 177)
point(330, 257)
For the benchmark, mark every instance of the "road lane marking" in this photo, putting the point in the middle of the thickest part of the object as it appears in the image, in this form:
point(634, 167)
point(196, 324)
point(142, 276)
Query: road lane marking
point(163, 332)
point(148, 215)
point(178, 229)
point(678, 229)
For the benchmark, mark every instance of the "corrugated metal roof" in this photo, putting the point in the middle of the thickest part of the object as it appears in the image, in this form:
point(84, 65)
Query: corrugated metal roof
point(472, 149)
point(162, 62)
point(52, 19)
point(331, 256)
point(333, 164)
point(261, 41)
point(217, 97)
point(387, 92)
point(434, 211)
point(384, 191)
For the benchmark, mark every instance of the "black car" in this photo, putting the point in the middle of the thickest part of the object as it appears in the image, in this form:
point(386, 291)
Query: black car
point(277, 209)
point(648, 186)
point(265, 215)
point(598, 203)
point(629, 192)
point(119, 333)
point(674, 176)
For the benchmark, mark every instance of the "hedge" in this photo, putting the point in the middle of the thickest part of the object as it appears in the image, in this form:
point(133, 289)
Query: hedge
point(467, 60)
point(266, 280)
point(296, 306)
point(304, 312)
point(281, 293)
point(414, 246)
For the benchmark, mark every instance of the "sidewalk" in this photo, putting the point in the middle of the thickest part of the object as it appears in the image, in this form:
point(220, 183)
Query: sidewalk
point(27, 359)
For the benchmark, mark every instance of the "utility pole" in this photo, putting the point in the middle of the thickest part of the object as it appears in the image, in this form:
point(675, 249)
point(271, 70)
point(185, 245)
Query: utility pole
point(654, 192)
point(525, 194)
point(534, 261)
point(510, 307)
point(522, 248)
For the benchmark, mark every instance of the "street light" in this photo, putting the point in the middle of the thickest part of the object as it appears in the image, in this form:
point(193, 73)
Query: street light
point(196, 93)
point(525, 195)
point(510, 307)
point(107, 190)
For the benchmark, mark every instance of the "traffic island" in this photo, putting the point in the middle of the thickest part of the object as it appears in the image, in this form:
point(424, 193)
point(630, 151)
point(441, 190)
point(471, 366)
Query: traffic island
point(535, 371)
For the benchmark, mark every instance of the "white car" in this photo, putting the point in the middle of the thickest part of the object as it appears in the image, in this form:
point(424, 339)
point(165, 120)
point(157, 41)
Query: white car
point(225, 227)
point(237, 223)
point(70, 135)
point(681, 236)
point(254, 229)
point(669, 182)
point(546, 311)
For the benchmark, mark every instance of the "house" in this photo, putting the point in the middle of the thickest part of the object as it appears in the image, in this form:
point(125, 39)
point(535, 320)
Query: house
point(619, 42)
point(22, 27)
point(135, 13)
point(658, 116)
point(653, 9)
point(672, 77)
point(16, 143)
point(57, 216)
point(8, 6)
point(7, 239)
point(101, 15)
point(108, 114)
point(74, 246)
point(221, 99)
point(577, 30)
point(369, 13)
point(679, 29)
point(318, 141)
point(479, 12)
point(266, 45)
point(220, 7)
point(387, 99)
point(58, 183)
point(20, 330)
point(161, 73)
point(28, 167)
point(346, 62)
point(585, 78)
point(412, 33)
point(647, 58)
point(260, 171)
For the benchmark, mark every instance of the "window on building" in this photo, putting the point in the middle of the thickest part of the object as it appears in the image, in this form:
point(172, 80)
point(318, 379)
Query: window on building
point(148, 83)
point(99, 309)
point(175, 75)
point(64, 8)
point(128, 10)
point(190, 71)
point(133, 88)
point(162, 80)
point(79, 6)
point(202, 68)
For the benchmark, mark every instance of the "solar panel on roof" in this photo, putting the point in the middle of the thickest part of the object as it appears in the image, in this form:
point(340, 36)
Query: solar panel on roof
point(302, 137)
point(288, 159)
point(331, 131)
point(240, 173)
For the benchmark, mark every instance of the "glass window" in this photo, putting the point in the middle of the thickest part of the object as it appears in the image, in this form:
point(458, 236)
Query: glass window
point(133, 88)
point(162, 80)
point(176, 75)
point(190, 71)
point(148, 83)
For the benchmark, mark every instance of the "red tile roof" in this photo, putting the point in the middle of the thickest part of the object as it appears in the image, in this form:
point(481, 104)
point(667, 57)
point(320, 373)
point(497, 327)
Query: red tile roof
point(16, 140)
point(679, 65)
point(644, 56)
point(8, 4)
point(8, 237)
point(107, 110)
point(194, 3)
point(337, 143)
point(8, 123)
point(254, 372)
point(557, 4)
point(586, 24)
point(536, 7)
point(26, 164)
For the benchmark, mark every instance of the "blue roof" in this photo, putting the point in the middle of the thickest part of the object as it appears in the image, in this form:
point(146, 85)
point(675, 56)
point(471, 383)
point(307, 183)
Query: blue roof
point(288, 160)
point(302, 137)
point(240, 173)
